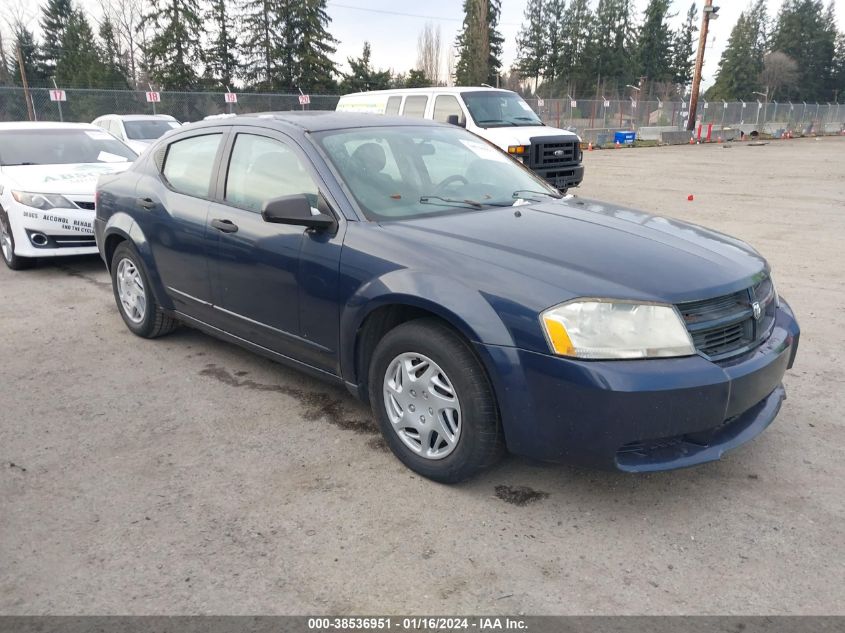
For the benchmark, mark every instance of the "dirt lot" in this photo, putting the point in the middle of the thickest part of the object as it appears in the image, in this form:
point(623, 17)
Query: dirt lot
point(187, 476)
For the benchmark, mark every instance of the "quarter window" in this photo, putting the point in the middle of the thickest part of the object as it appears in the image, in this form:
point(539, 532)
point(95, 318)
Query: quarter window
point(415, 106)
point(392, 106)
point(262, 168)
point(188, 164)
point(445, 106)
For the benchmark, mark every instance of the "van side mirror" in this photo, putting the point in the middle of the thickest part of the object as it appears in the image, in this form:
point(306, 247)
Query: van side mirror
point(455, 119)
point(295, 210)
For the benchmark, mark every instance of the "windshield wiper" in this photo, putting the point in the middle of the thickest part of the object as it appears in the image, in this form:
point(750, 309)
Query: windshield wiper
point(518, 193)
point(18, 164)
point(471, 203)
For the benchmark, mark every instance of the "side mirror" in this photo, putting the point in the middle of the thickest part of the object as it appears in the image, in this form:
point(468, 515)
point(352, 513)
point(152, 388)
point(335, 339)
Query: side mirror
point(295, 210)
point(454, 119)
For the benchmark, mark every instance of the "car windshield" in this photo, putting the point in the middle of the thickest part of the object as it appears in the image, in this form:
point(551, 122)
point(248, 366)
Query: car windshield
point(490, 108)
point(61, 146)
point(147, 130)
point(408, 172)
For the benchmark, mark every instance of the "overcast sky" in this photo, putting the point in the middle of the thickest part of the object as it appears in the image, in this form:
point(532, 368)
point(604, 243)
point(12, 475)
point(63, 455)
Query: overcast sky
point(392, 26)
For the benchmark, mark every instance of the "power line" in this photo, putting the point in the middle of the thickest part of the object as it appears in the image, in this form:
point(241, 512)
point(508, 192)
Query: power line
point(407, 15)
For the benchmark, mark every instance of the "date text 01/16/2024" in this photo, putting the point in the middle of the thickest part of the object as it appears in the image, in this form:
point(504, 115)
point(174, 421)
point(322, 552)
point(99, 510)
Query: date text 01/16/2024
point(417, 623)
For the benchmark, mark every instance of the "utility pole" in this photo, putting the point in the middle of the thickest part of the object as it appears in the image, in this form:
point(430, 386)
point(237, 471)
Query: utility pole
point(29, 109)
point(708, 12)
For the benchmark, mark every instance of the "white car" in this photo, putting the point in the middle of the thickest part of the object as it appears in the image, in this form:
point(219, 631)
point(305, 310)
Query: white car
point(137, 130)
point(48, 176)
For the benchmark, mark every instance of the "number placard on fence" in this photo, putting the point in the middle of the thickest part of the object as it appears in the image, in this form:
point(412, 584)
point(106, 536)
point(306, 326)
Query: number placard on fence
point(573, 104)
point(231, 97)
point(58, 95)
point(304, 100)
point(606, 103)
point(540, 103)
point(153, 97)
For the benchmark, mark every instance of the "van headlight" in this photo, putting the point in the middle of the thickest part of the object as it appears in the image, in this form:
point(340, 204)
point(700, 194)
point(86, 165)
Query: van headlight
point(42, 201)
point(612, 329)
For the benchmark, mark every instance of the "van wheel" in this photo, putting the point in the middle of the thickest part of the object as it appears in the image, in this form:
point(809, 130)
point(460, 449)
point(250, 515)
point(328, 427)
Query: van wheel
point(134, 297)
point(433, 402)
point(7, 246)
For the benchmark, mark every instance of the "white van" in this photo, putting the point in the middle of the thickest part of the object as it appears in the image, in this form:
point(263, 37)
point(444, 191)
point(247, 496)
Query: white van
point(499, 116)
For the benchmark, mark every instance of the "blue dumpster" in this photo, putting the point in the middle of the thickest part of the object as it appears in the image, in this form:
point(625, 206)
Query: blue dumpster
point(624, 138)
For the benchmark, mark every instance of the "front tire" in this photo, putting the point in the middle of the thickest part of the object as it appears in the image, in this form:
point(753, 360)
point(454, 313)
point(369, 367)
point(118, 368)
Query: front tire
point(133, 294)
point(7, 246)
point(433, 402)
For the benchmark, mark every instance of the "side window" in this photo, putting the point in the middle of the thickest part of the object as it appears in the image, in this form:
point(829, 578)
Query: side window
point(188, 164)
point(446, 105)
point(262, 168)
point(415, 106)
point(392, 106)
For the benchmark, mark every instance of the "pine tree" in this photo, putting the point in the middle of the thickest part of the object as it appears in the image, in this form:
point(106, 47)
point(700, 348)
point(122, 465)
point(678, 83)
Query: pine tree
point(174, 51)
point(416, 79)
point(362, 76)
point(610, 47)
point(113, 72)
point(25, 42)
point(261, 43)
point(315, 70)
point(572, 64)
point(654, 43)
point(838, 74)
point(807, 33)
point(531, 41)
point(742, 59)
point(683, 49)
point(55, 18)
point(80, 63)
point(220, 56)
point(554, 12)
point(479, 44)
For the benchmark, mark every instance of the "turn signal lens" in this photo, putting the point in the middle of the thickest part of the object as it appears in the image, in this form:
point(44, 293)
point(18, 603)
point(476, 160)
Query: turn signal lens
point(518, 149)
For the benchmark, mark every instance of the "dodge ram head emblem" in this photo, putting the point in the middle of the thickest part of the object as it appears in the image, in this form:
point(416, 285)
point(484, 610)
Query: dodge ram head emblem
point(757, 310)
point(559, 152)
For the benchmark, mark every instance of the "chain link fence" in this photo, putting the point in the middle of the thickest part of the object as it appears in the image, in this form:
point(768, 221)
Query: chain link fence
point(86, 105)
point(588, 117)
point(649, 118)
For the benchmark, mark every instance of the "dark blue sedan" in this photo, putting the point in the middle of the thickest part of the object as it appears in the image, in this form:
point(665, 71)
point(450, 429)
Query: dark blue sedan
point(438, 279)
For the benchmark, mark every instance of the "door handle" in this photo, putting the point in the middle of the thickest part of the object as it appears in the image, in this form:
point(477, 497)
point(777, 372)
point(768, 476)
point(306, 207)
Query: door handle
point(147, 203)
point(226, 226)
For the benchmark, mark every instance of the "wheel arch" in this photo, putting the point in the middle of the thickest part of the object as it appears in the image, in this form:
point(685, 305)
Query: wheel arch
point(122, 228)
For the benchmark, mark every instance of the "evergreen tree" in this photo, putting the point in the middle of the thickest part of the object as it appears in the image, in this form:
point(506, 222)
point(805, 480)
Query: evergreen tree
point(416, 79)
point(55, 18)
point(5, 72)
point(80, 64)
point(531, 42)
point(25, 41)
point(807, 33)
point(683, 49)
point(113, 72)
point(362, 76)
point(654, 43)
point(609, 50)
point(572, 65)
point(554, 12)
point(315, 70)
point(838, 75)
point(742, 59)
point(174, 51)
point(261, 43)
point(479, 44)
point(220, 56)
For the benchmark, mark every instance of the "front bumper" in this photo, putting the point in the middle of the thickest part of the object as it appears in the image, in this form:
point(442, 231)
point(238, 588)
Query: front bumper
point(65, 231)
point(639, 415)
point(563, 177)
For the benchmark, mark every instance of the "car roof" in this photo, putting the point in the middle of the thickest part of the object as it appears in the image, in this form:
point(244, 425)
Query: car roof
point(317, 120)
point(45, 125)
point(453, 90)
point(138, 117)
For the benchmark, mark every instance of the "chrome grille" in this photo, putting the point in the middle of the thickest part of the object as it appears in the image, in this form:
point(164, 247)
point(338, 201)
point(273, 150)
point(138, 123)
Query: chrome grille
point(725, 326)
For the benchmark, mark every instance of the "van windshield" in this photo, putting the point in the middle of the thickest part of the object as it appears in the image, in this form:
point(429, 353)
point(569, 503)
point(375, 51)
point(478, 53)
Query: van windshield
point(492, 108)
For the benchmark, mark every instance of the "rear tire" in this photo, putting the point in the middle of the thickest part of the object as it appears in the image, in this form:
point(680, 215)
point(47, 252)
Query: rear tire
point(7, 246)
point(434, 402)
point(134, 296)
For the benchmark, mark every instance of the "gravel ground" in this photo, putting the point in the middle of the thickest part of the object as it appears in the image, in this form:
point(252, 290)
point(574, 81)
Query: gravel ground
point(185, 475)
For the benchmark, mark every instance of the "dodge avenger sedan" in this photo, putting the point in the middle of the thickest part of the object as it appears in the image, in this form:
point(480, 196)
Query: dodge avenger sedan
point(448, 286)
point(48, 172)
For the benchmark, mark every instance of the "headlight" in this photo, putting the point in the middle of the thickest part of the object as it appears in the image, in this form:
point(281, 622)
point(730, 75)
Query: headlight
point(42, 201)
point(610, 329)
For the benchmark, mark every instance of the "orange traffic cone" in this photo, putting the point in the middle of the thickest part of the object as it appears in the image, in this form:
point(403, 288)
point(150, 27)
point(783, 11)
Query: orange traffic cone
point(590, 146)
point(718, 139)
point(690, 197)
point(692, 140)
point(618, 145)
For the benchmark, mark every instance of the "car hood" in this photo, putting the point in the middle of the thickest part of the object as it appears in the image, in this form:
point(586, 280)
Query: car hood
point(76, 178)
point(585, 248)
point(511, 135)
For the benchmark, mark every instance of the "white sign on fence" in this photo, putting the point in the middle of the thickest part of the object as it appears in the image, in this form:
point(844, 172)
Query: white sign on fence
point(304, 100)
point(58, 95)
point(726, 105)
point(153, 97)
point(231, 97)
point(606, 103)
point(573, 104)
point(705, 105)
